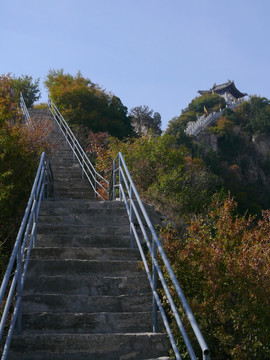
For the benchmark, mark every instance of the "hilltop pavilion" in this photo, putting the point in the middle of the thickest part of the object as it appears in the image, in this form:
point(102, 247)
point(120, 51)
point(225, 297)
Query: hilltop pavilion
point(228, 90)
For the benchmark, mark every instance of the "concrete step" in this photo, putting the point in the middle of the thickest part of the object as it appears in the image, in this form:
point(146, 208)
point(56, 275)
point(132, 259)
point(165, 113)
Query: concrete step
point(83, 219)
point(91, 229)
point(83, 205)
point(73, 187)
point(86, 304)
point(79, 211)
point(64, 158)
point(86, 204)
point(66, 239)
point(85, 253)
point(73, 194)
point(122, 346)
point(160, 358)
point(80, 267)
point(87, 284)
point(86, 323)
point(61, 167)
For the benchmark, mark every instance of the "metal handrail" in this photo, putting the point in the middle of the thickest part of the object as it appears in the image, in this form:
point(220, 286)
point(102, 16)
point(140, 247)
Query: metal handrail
point(24, 109)
point(95, 179)
point(194, 127)
point(26, 239)
point(123, 184)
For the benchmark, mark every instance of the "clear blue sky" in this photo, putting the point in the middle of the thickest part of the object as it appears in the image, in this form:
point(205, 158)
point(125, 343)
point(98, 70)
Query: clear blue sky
point(147, 52)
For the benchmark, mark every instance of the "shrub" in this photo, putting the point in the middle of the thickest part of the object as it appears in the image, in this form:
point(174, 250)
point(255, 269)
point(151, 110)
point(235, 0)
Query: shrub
point(223, 267)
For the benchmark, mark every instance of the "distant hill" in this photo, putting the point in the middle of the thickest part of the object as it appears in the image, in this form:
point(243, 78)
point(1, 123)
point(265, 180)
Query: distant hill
point(235, 146)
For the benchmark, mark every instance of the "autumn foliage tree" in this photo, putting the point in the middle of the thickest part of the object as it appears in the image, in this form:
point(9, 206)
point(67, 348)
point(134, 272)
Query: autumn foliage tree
point(20, 148)
point(85, 104)
point(28, 87)
point(223, 267)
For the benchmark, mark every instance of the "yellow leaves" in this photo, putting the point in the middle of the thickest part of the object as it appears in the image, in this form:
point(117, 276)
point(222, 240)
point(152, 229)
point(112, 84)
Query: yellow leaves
point(223, 126)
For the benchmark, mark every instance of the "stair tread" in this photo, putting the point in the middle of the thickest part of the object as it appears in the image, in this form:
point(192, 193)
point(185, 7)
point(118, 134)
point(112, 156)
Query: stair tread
point(40, 302)
point(122, 345)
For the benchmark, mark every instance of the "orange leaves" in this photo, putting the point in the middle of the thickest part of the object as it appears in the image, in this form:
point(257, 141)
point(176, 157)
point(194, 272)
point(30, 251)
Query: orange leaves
point(36, 135)
point(223, 265)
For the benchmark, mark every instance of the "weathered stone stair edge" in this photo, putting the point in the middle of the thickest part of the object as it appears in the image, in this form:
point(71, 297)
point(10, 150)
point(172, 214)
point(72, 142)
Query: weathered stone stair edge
point(89, 346)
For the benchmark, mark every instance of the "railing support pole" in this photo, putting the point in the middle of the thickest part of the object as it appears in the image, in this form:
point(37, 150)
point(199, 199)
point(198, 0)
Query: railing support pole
point(35, 219)
point(131, 212)
point(46, 181)
point(95, 185)
point(83, 169)
point(206, 356)
point(154, 277)
point(19, 292)
point(114, 180)
point(73, 148)
point(120, 180)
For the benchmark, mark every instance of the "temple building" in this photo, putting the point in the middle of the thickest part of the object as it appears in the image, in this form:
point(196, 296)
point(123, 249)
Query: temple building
point(228, 90)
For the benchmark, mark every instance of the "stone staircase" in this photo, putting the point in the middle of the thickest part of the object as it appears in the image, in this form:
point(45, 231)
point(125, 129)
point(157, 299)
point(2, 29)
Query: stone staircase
point(85, 297)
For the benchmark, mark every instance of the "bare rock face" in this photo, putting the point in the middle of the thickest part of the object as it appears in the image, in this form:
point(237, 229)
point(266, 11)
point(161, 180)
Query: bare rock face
point(207, 141)
point(262, 146)
point(250, 164)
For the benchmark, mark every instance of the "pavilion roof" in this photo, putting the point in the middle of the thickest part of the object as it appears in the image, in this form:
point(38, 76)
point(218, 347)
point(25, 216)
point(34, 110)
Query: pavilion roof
point(222, 88)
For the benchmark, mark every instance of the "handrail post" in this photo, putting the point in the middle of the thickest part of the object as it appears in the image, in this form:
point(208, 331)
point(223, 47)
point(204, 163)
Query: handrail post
point(46, 180)
point(131, 220)
point(95, 185)
point(73, 148)
point(35, 218)
point(83, 164)
point(154, 279)
point(19, 291)
point(114, 180)
point(120, 179)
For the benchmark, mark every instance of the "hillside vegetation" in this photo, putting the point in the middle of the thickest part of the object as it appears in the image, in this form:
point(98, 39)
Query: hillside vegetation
point(214, 188)
point(20, 148)
point(235, 148)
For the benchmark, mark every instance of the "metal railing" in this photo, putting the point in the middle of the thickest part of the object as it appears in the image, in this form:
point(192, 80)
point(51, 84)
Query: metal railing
point(194, 127)
point(123, 187)
point(13, 281)
point(24, 109)
point(97, 181)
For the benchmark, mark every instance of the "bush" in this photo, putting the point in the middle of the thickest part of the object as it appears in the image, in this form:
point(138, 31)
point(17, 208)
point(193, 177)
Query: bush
point(164, 174)
point(223, 267)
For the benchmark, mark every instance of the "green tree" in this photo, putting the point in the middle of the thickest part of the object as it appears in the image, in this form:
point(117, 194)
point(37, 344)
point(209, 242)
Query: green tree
point(210, 102)
point(84, 103)
point(196, 108)
point(28, 87)
point(164, 174)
